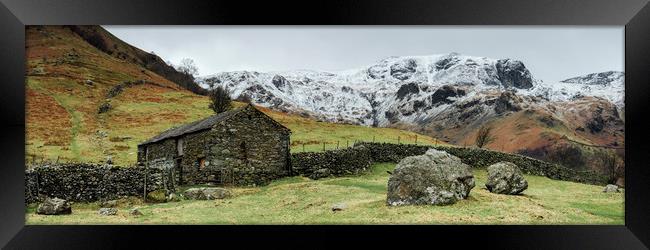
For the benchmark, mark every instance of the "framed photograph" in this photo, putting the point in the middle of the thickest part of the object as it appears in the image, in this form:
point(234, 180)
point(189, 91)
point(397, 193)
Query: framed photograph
point(516, 124)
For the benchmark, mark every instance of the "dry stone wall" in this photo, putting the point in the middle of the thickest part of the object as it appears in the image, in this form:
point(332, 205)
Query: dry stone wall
point(92, 182)
point(480, 158)
point(317, 165)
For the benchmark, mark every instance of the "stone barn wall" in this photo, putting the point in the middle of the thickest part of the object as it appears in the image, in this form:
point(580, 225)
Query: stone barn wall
point(90, 182)
point(248, 148)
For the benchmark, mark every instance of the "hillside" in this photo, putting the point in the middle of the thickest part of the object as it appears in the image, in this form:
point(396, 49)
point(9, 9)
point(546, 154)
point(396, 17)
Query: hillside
point(68, 80)
point(110, 44)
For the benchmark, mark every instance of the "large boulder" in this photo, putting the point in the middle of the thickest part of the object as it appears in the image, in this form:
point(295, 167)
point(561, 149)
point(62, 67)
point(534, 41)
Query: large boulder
point(505, 178)
point(54, 206)
point(435, 178)
point(207, 193)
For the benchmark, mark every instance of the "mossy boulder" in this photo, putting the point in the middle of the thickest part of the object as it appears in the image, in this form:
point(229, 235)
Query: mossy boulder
point(435, 178)
point(157, 196)
point(54, 206)
point(505, 178)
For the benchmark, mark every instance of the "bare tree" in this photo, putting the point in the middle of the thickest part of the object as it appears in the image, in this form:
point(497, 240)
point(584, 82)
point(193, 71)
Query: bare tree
point(188, 67)
point(220, 99)
point(484, 136)
point(609, 163)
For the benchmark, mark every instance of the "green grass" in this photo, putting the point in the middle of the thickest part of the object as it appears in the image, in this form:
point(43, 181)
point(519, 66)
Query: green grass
point(308, 135)
point(298, 200)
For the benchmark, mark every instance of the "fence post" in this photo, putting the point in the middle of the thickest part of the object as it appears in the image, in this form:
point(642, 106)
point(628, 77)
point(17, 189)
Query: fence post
point(416, 139)
point(323, 146)
point(337, 144)
point(303, 147)
point(398, 140)
point(146, 167)
point(38, 187)
point(373, 139)
point(144, 194)
point(347, 143)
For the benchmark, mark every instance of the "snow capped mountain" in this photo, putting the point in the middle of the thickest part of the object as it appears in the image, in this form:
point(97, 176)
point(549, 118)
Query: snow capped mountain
point(603, 78)
point(609, 85)
point(407, 89)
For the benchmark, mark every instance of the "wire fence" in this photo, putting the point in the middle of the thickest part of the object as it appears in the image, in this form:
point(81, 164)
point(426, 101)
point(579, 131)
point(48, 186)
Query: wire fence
point(324, 145)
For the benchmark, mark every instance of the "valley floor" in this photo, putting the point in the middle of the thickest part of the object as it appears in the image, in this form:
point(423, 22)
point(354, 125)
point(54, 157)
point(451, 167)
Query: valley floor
point(298, 200)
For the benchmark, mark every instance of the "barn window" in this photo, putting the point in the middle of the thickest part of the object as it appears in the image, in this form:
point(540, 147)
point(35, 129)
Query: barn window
point(201, 162)
point(179, 146)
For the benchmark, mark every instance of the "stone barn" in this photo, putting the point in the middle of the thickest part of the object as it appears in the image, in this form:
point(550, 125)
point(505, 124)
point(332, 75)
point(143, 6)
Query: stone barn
point(239, 147)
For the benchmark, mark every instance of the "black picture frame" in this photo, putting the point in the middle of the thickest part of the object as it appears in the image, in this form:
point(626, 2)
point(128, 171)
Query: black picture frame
point(633, 14)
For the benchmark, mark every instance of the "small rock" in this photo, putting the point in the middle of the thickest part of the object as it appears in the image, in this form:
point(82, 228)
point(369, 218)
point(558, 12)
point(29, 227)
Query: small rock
point(89, 82)
point(105, 107)
point(339, 207)
point(111, 203)
point(211, 193)
point(135, 212)
point(321, 173)
point(106, 211)
point(172, 197)
point(611, 189)
point(54, 206)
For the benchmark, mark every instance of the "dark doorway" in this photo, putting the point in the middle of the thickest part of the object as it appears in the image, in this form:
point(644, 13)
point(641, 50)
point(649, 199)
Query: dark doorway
point(179, 171)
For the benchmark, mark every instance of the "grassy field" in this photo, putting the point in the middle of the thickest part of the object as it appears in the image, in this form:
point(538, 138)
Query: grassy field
point(298, 200)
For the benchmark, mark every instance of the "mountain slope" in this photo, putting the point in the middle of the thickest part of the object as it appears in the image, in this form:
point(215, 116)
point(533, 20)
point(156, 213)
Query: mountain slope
point(69, 79)
point(108, 43)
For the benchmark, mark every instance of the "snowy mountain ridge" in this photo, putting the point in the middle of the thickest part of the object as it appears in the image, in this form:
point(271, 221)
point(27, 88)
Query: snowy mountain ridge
point(406, 88)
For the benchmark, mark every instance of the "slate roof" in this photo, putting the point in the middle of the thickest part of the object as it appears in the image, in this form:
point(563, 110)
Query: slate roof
point(199, 125)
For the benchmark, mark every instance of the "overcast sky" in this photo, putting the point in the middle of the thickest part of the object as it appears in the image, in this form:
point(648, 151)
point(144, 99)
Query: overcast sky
point(550, 53)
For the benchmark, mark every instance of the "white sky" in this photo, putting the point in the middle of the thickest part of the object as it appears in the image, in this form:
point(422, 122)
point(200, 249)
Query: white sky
point(551, 53)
